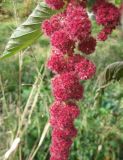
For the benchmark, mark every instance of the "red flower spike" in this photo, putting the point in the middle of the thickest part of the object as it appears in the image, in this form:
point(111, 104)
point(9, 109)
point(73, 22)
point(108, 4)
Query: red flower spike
point(103, 35)
point(107, 15)
point(82, 3)
point(64, 133)
point(87, 45)
point(77, 22)
point(53, 24)
point(57, 63)
point(63, 115)
point(66, 87)
point(85, 69)
point(61, 41)
point(55, 4)
point(67, 30)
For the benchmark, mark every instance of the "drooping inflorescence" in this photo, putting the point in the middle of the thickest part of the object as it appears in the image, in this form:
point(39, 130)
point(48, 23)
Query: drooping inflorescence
point(70, 33)
point(107, 15)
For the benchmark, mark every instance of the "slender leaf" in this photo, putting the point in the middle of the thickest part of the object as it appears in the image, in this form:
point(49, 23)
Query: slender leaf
point(28, 32)
point(113, 71)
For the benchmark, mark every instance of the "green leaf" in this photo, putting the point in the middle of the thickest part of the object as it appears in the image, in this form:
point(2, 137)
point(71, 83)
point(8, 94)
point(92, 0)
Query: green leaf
point(118, 1)
point(28, 32)
point(113, 71)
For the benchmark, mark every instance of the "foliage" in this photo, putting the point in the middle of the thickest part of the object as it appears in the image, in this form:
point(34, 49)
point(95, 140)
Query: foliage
point(112, 72)
point(29, 31)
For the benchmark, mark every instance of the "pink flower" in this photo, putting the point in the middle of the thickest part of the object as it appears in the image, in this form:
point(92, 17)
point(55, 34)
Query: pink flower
point(55, 4)
point(67, 31)
point(64, 133)
point(60, 148)
point(87, 45)
point(77, 23)
point(57, 63)
point(63, 115)
point(107, 15)
point(66, 86)
point(103, 35)
point(60, 39)
point(82, 3)
point(53, 24)
point(85, 69)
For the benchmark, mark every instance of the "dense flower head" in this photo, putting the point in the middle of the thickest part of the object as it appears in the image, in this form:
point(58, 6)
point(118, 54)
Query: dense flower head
point(103, 35)
point(87, 45)
point(73, 60)
point(85, 69)
point(107, 15)
point(59, 63)
point(60, 39)
point(71, 110)
point(60, 144)
point(55, 4)
point(77, 22)
point(53, 24)
point(56, 158)
point(63, 115)
point(97, 4)
point(64, 133)
point(66, 87)
point(58, 154)
point(68, 31)
point(82, 3)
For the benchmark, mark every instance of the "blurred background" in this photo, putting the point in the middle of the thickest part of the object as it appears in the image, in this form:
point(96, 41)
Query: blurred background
point(100, 124)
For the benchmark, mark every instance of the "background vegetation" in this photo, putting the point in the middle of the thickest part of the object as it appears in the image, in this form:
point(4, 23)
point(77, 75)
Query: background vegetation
point(100, 124)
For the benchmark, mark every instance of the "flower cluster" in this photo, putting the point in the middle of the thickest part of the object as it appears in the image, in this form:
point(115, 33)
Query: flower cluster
point(59, 64)
point(87, 45)
point(107, 15)
point(71, 25)
point(77, 23)
point(70, 31)
point(60, 39)
point(85, 69)
point(83, 3)
point(55, 4)
point(52, 25)
point(66, 86)
point(62, 117)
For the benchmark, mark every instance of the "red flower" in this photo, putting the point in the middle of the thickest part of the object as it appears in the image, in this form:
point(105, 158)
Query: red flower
point(61, 41)
point(55, 4)
point(103, 35)
point(85, 69)
point(53, 24)
point(64, 133)
point(77, 23)
point(63, 115)
point(66, 86)
point(82, 3)
point(57, 63)
point(87, 45)
point(107, 15)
